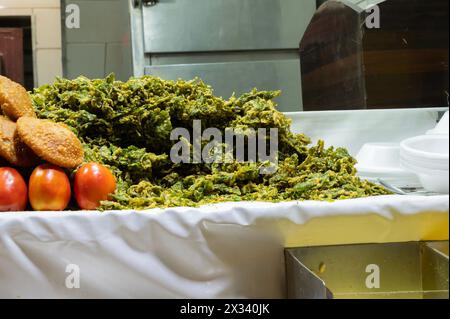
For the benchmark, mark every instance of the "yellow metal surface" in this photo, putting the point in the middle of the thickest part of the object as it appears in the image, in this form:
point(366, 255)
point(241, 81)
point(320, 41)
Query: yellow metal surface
point(369, 228)
point(413, 270)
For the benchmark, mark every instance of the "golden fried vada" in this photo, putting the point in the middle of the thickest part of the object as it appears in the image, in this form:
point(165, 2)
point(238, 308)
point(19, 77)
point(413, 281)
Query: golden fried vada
point(12, 149)
point(53, 142)
point(15, 101)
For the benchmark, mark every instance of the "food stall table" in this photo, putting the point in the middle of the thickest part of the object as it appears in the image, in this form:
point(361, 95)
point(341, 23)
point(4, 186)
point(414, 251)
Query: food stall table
point(230, 250)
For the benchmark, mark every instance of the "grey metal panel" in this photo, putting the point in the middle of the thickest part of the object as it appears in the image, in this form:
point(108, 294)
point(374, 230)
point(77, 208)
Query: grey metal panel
point(118, 61)
point(241, 77)
point(225, 25)
point(137, 40)
point(102, 44)
point(302, 283)
point(221, 57)
point(86, 59)
point(101, 21)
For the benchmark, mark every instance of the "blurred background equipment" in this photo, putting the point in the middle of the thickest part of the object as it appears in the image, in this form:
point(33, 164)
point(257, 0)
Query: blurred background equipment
point(233, 45)
point(403, 64)
point(236, 45)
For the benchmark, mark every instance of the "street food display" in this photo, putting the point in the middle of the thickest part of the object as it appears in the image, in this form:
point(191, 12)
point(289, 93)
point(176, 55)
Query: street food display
point(125, 128)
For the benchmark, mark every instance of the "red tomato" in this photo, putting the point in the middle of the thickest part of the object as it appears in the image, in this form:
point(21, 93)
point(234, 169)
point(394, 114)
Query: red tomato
point(93, 183)
point(49, 188)
point(13, 191)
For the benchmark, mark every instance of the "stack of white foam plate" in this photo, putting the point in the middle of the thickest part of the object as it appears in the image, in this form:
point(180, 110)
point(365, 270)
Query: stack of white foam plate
point(427, 156)
point(381, 161)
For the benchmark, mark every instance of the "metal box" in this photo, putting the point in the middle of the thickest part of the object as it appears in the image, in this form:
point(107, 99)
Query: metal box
point(232, 45)
point(413, 270)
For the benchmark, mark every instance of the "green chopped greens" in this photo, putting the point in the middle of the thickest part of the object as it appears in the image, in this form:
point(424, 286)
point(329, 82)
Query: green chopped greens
point(127, 126)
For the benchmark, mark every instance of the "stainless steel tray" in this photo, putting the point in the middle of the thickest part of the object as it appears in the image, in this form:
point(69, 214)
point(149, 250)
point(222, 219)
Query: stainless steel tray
point(416, 270)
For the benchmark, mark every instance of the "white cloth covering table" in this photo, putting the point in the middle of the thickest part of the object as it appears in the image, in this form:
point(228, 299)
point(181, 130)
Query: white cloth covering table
point(231, 250)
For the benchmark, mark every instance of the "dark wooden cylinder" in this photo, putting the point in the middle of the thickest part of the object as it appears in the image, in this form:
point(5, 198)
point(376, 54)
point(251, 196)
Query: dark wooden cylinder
point(403, 64)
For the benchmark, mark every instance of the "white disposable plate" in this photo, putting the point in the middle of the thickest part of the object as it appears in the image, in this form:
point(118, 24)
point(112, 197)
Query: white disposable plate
point(397, 177)
point(382, 161)
point(428, 157)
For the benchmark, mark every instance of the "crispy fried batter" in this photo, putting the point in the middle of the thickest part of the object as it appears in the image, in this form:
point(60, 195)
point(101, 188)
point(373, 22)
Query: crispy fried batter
point(15, 101)
point(12, 148)
point(53, 142)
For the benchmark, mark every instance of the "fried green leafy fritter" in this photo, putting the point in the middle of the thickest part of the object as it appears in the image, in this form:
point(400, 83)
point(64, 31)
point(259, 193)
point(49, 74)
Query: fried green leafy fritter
point(127, 126)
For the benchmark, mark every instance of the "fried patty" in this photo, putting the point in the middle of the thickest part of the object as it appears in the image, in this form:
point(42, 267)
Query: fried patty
point(53, 142)
point(12, 149)
point(15, 101)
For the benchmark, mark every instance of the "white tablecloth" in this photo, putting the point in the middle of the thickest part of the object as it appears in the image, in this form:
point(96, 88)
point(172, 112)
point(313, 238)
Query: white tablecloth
point(221, 251)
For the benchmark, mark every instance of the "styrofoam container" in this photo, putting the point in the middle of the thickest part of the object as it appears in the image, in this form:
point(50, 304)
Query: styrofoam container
point(428, 157)
point(382, 161)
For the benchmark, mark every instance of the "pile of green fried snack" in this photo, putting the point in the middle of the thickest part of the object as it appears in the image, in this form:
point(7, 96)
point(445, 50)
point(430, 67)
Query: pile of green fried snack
point(127, 126)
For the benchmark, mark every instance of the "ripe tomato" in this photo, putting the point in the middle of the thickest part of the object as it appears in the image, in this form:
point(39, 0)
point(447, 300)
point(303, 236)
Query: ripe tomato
point(49, 188)
point(13, 191)
point(93, 183)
